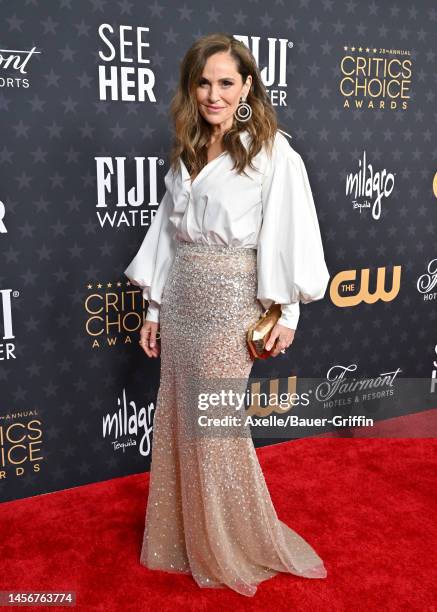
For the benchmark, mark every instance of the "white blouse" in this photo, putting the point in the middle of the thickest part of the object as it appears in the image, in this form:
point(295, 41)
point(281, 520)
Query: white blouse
point(271, 210)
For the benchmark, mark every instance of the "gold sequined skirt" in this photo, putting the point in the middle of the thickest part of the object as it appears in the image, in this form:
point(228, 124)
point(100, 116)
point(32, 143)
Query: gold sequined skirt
point(209, 511)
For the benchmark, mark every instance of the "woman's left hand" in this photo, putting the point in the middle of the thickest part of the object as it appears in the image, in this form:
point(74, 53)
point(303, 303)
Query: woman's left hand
point(280, 338)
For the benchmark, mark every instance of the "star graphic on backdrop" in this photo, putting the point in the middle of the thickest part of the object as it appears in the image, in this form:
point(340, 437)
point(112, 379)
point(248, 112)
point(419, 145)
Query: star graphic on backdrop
point(55, 246)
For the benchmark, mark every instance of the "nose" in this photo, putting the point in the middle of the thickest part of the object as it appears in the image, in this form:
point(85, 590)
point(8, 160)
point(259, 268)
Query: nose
point(213, 94)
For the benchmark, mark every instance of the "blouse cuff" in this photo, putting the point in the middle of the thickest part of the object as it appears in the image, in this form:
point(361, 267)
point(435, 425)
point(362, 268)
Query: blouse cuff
point(153, 312)
point(289, 315)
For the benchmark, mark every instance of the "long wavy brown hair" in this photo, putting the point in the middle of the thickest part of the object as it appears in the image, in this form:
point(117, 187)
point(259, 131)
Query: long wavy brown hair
point(192, 131)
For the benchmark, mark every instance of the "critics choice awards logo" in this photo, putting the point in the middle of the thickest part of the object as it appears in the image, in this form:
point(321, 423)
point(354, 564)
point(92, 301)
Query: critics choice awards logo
point(375, 78)
point(115, 313)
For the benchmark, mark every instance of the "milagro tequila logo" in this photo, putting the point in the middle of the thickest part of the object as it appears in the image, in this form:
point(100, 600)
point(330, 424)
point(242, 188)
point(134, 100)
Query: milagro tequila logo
point(274, 72)
point(426, 282)
point(13, 64)
point(368, 187)
point(7, 337)
point(113, 191)
point(127, 423)
point(121, 76)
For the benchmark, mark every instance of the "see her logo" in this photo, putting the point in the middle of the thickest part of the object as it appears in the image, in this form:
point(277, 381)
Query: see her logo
point(122, 77)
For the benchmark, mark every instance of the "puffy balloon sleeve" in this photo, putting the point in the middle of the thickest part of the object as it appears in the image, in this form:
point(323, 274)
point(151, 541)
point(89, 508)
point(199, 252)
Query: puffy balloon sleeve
point(150, 267)
point(290, 259)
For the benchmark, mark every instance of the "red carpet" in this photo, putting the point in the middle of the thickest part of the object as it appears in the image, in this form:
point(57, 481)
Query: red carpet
point(368, 507)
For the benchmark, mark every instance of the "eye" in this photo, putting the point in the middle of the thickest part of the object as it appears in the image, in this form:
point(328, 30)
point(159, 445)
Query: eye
point(225, 83)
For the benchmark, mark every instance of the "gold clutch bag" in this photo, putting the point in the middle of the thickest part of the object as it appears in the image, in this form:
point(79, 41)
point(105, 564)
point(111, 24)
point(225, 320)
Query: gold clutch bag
point(258, 333)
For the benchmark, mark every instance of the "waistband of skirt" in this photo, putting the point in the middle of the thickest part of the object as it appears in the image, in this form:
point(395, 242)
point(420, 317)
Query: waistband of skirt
point(197, 247)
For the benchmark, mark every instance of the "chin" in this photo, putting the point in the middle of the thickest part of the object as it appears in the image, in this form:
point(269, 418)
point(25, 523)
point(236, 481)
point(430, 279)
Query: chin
point(212, 120)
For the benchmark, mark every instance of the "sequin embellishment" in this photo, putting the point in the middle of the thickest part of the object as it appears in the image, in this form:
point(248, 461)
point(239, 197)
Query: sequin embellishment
point(209, 511)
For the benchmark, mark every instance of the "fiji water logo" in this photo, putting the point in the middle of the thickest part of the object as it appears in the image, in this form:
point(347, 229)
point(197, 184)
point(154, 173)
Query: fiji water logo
point(273, 67)
point(7, 336)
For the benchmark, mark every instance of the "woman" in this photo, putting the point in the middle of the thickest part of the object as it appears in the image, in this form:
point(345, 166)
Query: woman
point(224, 244)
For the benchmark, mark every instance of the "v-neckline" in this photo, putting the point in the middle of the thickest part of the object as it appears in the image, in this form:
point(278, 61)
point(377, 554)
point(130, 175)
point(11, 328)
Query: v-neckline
point(191, 182)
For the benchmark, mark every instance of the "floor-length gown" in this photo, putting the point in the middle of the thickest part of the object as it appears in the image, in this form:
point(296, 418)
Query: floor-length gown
point(209, 511)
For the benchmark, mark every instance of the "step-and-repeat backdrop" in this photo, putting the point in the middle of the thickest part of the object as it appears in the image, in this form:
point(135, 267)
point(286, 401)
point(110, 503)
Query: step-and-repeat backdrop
point(85, 88)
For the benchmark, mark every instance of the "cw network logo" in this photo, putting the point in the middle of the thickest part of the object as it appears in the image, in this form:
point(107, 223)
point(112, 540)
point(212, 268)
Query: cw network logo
point(357, 283)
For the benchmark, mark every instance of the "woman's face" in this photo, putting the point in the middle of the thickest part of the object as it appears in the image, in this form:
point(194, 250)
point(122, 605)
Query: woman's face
point(219, 90)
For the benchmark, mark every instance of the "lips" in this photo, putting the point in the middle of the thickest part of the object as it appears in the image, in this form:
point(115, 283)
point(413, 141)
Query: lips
point(214, 107)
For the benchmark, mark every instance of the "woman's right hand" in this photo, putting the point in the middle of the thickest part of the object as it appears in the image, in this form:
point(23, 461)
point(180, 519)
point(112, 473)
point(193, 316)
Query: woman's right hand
point(148, 341)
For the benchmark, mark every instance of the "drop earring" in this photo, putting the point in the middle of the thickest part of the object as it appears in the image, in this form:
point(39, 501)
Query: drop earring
point(243, 111)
